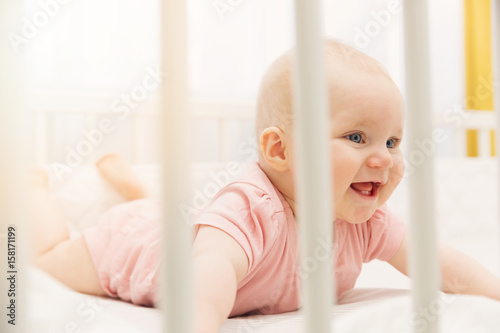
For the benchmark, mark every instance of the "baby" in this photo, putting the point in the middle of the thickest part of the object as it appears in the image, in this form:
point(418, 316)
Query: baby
point(245, 248)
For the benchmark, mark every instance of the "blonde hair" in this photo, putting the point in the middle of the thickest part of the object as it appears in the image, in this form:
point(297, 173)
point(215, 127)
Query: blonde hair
point(275, 97)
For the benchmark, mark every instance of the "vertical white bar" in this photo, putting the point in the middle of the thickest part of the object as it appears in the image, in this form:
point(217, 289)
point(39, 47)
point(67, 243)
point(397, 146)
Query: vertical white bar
point(176, 281)
point(313, 163)
point(225, 139)
point(224, 152)
point(90, 122)
point(137, 136)
point(460, 142)
point(484, 141)
point(424, 265)
point(41, 137)
point(14, 153)
point(495, 35)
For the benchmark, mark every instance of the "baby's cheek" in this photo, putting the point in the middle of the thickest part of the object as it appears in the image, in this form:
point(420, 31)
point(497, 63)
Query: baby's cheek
point(338, 186)
point(398, 169)
point(342, 175)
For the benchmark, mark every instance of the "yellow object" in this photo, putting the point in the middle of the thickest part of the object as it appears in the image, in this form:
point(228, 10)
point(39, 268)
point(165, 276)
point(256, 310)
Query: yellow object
point(472, 143)
point(478, 64)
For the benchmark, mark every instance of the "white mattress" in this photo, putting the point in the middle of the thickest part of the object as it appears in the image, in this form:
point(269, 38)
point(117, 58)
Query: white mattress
point(467, 203)
point(53, 308)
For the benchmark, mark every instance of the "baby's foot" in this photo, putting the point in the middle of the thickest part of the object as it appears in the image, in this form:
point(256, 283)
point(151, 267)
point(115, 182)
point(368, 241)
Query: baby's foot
point(39, 177)
point(121, 176)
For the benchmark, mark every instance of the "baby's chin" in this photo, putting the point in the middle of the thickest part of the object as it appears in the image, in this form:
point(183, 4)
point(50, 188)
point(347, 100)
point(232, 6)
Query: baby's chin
point(356, 216)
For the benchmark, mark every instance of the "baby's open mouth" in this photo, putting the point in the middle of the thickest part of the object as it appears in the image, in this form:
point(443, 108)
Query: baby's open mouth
point(366, 188)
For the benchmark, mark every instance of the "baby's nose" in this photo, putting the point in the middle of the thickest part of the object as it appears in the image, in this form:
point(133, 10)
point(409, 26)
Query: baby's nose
point(381, 159)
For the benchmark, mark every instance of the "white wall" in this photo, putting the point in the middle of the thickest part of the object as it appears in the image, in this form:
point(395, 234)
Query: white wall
point(106, 47)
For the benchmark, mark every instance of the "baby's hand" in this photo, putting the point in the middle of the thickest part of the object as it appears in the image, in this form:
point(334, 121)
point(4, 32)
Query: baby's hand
point(464, 275)
point(460, 273)
point(219, 264)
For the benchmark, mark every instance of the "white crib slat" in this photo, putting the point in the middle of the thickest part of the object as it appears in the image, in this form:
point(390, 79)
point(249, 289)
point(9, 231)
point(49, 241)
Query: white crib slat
point(137, 138)
point(90, 122)
point(424, 266)
point(41, 141)
point(14, 142)
point(495, 35)
point(176, 282)
point(224, 139)
point(313, 165)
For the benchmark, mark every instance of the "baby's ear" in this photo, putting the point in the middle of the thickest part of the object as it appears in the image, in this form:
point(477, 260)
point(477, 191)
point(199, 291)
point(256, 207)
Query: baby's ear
point(273, 146)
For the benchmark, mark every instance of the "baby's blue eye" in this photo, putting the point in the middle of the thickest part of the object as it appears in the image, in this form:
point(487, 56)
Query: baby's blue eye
point(390, 143)
point(356, 137)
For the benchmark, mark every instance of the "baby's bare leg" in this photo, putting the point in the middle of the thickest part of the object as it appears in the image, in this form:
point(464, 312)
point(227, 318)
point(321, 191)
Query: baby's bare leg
point(48, 222)
point(70, 263)
point(67, 260)
point(121, 176)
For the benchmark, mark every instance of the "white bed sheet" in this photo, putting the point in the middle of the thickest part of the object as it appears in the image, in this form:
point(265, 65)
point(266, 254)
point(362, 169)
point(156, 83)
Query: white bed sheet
point(467, 201)
point(54, 308)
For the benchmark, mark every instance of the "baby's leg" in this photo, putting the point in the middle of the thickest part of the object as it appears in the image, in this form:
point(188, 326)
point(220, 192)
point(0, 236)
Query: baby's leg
point(48, 222)
point(67, 260)
point(70, 263)
point(121, 176)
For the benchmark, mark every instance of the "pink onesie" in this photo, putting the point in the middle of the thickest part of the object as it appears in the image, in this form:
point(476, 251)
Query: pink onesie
point(257, 216)
point(125, 248)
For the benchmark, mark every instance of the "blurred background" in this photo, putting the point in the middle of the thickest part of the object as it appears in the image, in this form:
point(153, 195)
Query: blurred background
point(93, 73)
point(86, 57)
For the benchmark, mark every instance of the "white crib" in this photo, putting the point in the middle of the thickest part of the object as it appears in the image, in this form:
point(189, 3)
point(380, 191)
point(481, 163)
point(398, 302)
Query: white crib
point(176, 315)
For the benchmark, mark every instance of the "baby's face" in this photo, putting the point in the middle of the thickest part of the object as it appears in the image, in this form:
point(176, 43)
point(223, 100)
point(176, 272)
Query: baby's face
point(366, 130)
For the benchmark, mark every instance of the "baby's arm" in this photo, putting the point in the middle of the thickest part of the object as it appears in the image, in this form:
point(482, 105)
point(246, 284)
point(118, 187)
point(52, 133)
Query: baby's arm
point(460, 273)
point(464, 275)
point(219, 265)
